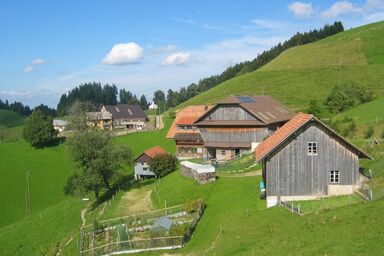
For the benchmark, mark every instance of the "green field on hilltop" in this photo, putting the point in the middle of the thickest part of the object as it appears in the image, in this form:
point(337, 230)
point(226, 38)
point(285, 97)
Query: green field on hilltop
point(11, 119)
point(365, 114)
point(310, 71)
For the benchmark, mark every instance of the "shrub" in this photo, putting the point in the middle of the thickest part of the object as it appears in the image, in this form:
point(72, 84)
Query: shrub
point(369, 132)
point(39, 130)
point(315, 108)
point(346, 96)
point(161, 165)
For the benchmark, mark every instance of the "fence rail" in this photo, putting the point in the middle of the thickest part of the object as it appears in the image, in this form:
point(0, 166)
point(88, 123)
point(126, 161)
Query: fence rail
point(107, 239)
point(291, 207)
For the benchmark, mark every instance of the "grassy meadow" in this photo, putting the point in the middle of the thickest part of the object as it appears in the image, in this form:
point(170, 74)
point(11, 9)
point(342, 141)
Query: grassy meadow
point(310, 71)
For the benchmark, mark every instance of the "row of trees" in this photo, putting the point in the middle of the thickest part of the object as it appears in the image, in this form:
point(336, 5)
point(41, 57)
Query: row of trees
point(25, 110)
point(98, 95)
point(17, 107)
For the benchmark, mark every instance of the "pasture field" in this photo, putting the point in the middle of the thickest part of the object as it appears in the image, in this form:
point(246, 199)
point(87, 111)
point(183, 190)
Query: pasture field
point(49, 168)
point(310, 71)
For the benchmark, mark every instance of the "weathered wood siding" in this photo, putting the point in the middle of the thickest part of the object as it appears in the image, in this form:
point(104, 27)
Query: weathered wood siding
point(290, 171)
point(232, 135)
point(229, 112)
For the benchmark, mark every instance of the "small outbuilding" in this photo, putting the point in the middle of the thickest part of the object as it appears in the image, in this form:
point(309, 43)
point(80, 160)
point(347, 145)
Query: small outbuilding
point(142, 168)
point(201, 173)
point(305, 159)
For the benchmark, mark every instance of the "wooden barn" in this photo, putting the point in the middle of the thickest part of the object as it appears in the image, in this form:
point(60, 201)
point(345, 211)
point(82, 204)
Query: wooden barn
point(238, 124)
point(189, 143)
point(142, 168)
point(305, 159)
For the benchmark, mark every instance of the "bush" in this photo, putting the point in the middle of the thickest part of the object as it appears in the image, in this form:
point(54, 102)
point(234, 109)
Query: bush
point(315, 108)
point(346, 126)
point(346, 96)
point(39, 130)
point(161, 165)
point(382, 134)
point(369, 132)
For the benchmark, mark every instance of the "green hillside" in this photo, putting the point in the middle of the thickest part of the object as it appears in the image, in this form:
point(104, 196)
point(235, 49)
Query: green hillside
point(10, 119)
point(310, 71)
point(49, 168)
point(366, 114)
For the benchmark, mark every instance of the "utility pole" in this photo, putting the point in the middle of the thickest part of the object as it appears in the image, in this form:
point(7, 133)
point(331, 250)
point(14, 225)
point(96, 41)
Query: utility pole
point(28, 196)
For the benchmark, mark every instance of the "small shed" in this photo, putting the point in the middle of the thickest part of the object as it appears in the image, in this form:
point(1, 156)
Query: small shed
point(142, 168)
point(200, 172)
point(305, 159)
point(161, 225)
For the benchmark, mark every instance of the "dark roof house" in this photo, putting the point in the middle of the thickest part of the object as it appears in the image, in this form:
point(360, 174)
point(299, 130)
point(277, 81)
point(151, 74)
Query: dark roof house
point(125, 111)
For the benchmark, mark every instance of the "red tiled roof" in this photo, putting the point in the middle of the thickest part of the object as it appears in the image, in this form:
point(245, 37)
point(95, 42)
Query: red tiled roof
point(155, 151)
point(187, 116)
point(186, 120)
point(281, 134)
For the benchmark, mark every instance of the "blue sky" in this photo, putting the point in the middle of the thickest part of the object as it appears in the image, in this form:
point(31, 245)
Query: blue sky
point(49, 47)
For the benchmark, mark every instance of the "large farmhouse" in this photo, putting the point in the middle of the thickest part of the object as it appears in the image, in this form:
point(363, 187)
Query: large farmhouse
point(305, 159)
point(189, 143)
point(130, 117)
point(238, 124)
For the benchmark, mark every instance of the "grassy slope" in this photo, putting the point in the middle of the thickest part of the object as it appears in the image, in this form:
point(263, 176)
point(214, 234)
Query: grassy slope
point(49, 168)
point(309, 72)
point(141, 141)
point(55, 218)
point(41, 234)
point(249, 228)
point(10, 119)
point(366, 114)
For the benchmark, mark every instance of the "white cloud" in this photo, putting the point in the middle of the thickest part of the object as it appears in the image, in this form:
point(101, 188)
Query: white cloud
point(300, 9)
point(374, 5)
point(121, 54)
point(178, 58)
point(30, 68)
point(166, 48)
point(341, 8)
point(38, 61)
point(269, 24)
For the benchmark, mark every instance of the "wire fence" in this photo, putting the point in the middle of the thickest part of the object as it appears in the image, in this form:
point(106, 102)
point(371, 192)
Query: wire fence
point(134, 233)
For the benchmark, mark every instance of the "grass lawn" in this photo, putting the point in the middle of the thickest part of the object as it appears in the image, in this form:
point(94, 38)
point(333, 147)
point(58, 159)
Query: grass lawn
point(233, 206)
point(141, 141)
point(44, 231)
point(49, 168)
point(327, 203)
point(243, 164)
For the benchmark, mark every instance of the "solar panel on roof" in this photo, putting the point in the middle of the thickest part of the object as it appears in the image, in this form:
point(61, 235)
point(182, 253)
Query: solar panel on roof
point(246, 99)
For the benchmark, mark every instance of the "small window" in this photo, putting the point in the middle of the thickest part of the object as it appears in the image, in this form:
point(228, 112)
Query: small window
point(312, 148)
point(334, 176)
point(223, 152)
point(145, 169)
